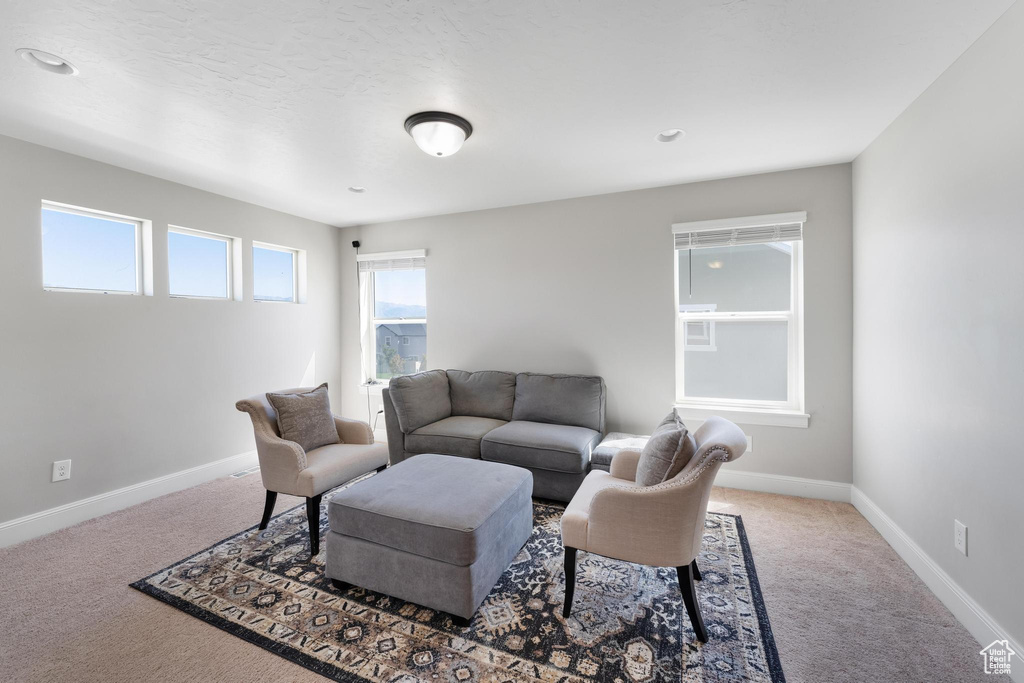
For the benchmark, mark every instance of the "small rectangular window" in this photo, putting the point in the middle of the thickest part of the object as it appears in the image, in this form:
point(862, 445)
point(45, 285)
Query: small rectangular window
point(90, 251)
point(199, 264)
point(274, 273)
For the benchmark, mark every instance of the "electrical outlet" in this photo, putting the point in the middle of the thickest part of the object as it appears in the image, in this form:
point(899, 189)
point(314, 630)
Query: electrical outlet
point(750, 443)
point(960, 536)
point(61, 470)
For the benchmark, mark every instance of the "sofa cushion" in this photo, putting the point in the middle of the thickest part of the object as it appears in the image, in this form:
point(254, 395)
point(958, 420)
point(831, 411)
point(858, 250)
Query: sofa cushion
point(449, 509)
point(420, 399)
point(559, 448)
point(576, 400)
point(305, 417)
point(666, 453)
point(613, 442)
point(487, 393)
point(456, 435)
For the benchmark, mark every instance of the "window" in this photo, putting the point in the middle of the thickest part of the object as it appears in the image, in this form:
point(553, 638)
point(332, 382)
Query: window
point(91, 251)
point(393, 296)
point(275, 273)
point(199, 264)
point(739, 314)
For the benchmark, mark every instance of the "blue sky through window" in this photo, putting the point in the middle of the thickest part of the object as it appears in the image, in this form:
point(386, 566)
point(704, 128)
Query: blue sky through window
point(273, 274)
point(400, 293)
point(86, 252)
point(197, 266)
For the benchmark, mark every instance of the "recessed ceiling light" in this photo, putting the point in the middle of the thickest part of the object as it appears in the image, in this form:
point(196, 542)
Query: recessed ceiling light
point(670, 135)
point(438, 133)
point(357, 189)
point(47, 61)
point(714, 265)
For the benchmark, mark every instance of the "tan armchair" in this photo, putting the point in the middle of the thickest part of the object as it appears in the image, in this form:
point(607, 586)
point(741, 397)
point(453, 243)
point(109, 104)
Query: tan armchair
point(287, 468)
point(660, 525)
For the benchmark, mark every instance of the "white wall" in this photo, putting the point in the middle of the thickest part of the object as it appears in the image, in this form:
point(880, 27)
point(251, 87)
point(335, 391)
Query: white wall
point(939, 320)
point(133, 388)
point(586, 285)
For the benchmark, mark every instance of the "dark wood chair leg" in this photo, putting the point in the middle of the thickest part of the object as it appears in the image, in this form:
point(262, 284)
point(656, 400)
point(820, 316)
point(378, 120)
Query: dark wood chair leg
point(382, 468)
point(461, 622)
point(268, 509)
point(313, 518)
point(689, 592)
point(340, 585)
point(570, 580)
point(696, 571)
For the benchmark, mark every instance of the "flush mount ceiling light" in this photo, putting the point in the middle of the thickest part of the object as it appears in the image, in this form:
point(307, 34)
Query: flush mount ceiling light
point(670, 135)
point(357, 189)
point(438, 133)
point(47, 61)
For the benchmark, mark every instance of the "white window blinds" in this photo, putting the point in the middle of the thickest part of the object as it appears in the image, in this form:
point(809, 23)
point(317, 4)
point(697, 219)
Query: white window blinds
point(392, 260)
point(730, 232)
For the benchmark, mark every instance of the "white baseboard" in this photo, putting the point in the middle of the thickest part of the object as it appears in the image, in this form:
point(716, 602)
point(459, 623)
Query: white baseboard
point(975, 619)
point(787, 486)
point(46, 521)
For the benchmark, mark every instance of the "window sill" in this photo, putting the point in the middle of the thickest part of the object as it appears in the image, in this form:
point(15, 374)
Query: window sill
point(749, 416)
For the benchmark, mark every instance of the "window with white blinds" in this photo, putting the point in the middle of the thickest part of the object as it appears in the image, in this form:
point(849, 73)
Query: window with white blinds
point(739, 313)
point(393, 313)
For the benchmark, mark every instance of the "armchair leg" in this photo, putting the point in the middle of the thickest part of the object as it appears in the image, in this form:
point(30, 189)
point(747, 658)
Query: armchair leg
point(381, 468)
point(685, 574)
point(570, 580)
point(696, 571)
point(313, 518)
point(268, 509)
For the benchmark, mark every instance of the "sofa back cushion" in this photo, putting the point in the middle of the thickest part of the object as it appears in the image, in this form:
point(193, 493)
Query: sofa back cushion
point(420, 399)
point(488, 393)
point(666, 453)
point(576, 400)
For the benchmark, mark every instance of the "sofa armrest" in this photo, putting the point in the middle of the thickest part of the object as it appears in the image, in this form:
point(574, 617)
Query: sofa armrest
point(624, 464)
point(396, 439)
point(353, 431)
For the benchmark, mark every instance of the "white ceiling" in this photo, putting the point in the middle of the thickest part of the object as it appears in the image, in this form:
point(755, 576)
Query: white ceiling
point(286, 104)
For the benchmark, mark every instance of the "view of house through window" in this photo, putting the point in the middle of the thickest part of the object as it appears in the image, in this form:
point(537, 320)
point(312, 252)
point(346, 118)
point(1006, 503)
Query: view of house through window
point(399, 321)
point(739, 321)
point(89, 251)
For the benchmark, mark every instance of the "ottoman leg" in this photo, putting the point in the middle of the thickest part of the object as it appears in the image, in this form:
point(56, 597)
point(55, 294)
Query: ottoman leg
point(461, 622)
point(570, 580)
point(340, 585)
point(313, 518)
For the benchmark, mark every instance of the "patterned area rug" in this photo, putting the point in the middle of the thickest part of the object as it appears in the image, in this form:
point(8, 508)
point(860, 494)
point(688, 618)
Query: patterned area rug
point(628, 622)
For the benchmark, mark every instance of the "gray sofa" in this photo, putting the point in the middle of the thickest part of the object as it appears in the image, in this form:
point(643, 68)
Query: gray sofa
point(548, 424)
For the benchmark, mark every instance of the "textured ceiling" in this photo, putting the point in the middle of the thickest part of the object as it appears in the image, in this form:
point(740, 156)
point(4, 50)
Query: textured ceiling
point(286, 104)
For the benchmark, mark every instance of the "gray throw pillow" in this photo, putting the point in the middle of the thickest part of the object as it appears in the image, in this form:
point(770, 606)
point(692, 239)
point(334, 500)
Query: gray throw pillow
point(666, 453)
point(305, 418)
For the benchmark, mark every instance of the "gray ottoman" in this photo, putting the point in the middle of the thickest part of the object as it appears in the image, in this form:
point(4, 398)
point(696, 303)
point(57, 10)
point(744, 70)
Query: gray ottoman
point(601, 458)
point(436, 530)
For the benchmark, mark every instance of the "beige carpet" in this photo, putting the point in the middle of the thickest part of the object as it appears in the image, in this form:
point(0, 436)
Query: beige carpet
point(842, 605)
